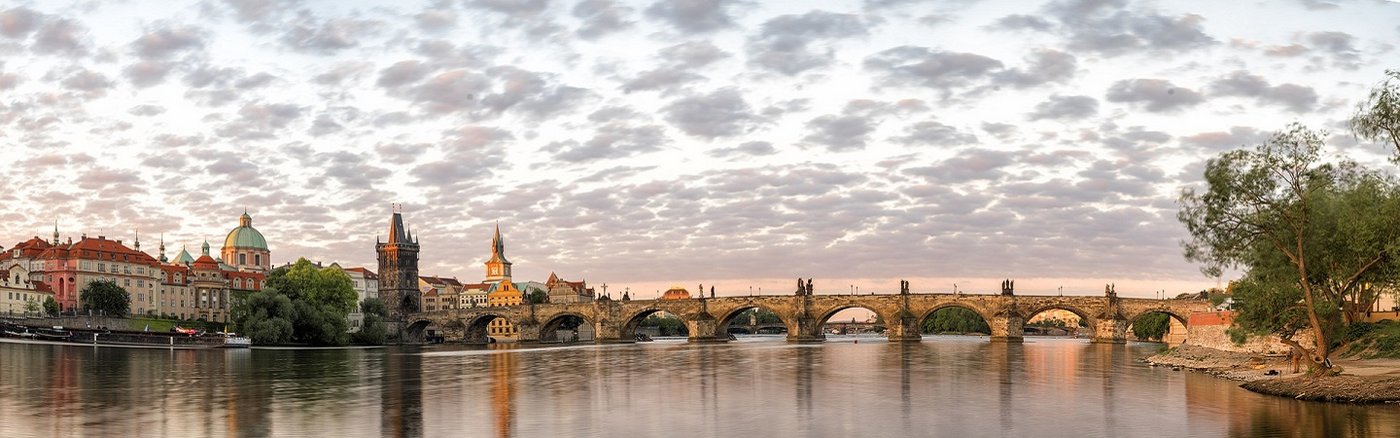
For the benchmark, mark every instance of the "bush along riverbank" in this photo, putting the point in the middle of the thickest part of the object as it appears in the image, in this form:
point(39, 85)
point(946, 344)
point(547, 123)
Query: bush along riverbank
point(1356, 380)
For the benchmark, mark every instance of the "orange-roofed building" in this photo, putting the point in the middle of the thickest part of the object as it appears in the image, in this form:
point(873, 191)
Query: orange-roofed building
point(676, 293)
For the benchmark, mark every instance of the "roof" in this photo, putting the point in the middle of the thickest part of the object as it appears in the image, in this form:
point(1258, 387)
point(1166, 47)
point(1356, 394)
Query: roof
point(368, 274)
point(99, 248)
point(245, 236)
point(207, 263)
point(184, 258)
point(28, 249)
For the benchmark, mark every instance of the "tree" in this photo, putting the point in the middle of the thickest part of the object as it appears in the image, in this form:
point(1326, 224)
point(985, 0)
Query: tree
point(1152, 326)
point(50, 306)
point(298, 304)
point(266, 317)
point(955, 319)
point(31, 306)
point(537, 297)
point(374, 330)
point(105, 297)
point(1378, 118)
point(1311, 235)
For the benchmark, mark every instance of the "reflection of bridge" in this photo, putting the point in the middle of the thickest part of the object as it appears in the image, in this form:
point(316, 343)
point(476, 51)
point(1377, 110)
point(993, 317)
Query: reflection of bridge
point(708, 319)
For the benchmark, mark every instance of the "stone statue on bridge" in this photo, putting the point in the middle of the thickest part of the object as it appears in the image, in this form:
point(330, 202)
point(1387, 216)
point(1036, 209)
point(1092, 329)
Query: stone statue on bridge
point(799, 287)
point(809, 287)
point(712, 291)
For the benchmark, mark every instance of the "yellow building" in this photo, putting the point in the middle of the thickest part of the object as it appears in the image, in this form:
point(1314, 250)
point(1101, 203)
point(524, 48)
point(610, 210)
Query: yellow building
point(504, 292)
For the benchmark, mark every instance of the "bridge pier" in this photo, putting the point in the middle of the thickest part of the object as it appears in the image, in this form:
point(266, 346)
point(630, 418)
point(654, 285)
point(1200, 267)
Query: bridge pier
point(606, 332)
point(808, 330)
point(703, 328)
point(1110, 331)
point(527, 332)
point(1007, 328)
point(904, 329)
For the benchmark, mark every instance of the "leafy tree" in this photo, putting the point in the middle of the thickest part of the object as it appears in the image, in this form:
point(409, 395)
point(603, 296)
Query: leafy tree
point(955, 319)
point(374, 330)
point(50, 306)
point(1152, 326)
point(763, 316)
point(1311, 235)
point(31, 306)
point(1378, 118)
point(266, 317)
point(537, 297)
point(300, 303)
point(105, 297)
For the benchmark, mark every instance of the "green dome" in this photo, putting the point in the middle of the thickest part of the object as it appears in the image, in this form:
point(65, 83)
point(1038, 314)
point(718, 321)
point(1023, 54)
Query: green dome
point(245, 236)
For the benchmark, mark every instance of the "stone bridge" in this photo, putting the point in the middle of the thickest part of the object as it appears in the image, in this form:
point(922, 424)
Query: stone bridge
point(707, 319)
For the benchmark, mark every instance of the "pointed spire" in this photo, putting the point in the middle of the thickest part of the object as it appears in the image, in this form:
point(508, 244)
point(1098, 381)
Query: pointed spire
point(245, 220)
point(162, 249)
point(137, 241)
point(498, 245)
point(55, 231)
point(396, 230)
point(204, 249)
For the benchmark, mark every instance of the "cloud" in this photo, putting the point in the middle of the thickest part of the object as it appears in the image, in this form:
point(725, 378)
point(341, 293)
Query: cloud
point(1043, 66)
point(1340, 46)
point(1153, 95)
point(1296, 98)
point(162, 43)
point(782, 45)
point(933, 133)
point(61, 36)
point(750, 148)
point(1059, 107)
point(18, 22)
point(89, 82)
point(1111, 28)
point(146, 110)
point(261, 120)
point(610, 141)
point(693, 54)
point(1217, 141)
point(839, 132)
point(329, 36)
point(693, 16)
point(939, 70)
point(146, 73)
point(722, 113)
point(601, 17)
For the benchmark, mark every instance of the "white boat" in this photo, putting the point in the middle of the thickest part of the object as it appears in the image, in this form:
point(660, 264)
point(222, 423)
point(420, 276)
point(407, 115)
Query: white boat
point(237, 342)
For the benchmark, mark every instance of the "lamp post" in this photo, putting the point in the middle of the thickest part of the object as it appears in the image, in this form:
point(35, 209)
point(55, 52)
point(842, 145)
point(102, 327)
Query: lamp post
point(1062, 291)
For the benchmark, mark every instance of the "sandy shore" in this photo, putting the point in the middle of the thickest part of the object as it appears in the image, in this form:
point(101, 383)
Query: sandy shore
point(1361, 381)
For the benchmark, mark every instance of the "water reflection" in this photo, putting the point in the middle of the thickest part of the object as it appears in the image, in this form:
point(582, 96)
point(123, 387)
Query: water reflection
point(944, 386)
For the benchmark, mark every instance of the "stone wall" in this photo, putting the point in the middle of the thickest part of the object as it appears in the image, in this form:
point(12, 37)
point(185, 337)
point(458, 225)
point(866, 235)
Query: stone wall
point(1208, 330)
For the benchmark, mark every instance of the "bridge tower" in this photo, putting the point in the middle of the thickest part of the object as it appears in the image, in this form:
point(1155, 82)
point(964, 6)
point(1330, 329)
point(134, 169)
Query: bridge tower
point(398, 273)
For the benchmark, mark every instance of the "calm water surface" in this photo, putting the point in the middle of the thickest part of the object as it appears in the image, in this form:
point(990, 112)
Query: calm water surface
point(757, 387)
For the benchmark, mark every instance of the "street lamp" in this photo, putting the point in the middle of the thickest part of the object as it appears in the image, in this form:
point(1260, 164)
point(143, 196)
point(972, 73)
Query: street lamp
point(1062, 291)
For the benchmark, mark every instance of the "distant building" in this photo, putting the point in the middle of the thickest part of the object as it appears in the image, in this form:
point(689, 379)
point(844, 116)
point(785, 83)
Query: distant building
point(17, 290)
point(184, 288)
point(676, 293)
point(439, 293)
point(398, 272)
point(562, 291)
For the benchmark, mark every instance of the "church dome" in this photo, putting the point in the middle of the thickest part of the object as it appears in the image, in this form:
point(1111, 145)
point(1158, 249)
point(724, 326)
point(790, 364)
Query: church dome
point(245, 236)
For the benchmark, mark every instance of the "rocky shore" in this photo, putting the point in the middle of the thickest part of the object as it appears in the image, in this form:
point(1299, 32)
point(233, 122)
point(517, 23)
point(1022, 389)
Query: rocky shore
point(1272, 375)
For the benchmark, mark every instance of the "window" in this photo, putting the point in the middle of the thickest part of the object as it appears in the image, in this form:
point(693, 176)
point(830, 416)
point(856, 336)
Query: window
point(257, 259)
point(243, 259)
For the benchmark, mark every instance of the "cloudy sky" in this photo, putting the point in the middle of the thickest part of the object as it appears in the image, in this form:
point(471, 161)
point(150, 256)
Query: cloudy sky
point(738, 143)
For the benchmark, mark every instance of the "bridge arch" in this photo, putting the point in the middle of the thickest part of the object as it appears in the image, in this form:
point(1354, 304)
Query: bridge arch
point(729, 317)
point(1173, 315)
point(567, 327)
point(629, 328)
point(1086, 318)
point(931, 312)
point(825, 317)
point(476, 328)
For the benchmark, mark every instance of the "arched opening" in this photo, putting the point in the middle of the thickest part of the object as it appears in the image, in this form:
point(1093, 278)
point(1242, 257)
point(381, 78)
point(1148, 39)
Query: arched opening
point(654, 323)
point(1058, 321)
point(419, 331)
point(1158, 326)
point(852, 320)
point(753, 321)
point(566, 328)
point(479, 330)
point(954, 320)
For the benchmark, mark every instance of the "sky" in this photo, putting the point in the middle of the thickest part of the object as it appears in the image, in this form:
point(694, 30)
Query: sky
point(741, 144)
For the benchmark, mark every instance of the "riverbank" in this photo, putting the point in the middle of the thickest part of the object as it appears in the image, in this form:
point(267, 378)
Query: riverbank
point(1361, 381)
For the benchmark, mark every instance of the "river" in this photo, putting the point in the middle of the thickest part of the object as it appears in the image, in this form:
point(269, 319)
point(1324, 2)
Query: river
point(755, 387)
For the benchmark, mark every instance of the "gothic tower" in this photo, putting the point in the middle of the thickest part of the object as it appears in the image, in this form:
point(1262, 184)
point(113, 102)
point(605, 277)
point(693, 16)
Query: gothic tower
point(398, 272)
point(498, 268)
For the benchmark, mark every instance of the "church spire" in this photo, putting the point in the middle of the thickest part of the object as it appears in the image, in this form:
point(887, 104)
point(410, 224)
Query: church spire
point(55, 231)
point(162, 248)
point(137, 241)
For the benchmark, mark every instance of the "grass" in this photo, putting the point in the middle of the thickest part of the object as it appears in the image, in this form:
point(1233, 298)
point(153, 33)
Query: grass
point(1374, 341)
